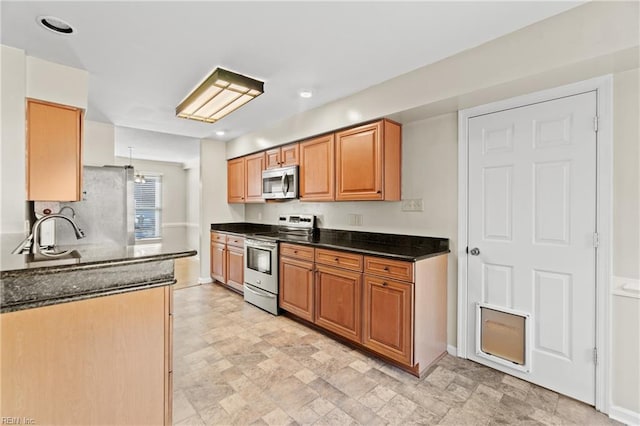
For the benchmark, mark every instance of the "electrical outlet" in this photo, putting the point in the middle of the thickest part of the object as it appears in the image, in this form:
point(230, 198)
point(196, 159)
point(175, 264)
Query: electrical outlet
point(355, 219)
point(413, 205)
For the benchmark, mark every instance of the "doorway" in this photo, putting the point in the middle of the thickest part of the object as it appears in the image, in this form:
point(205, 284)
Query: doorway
point(531, 234)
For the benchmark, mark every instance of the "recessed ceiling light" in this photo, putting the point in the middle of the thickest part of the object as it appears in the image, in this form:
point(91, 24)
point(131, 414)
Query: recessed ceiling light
point(306, 93)
point(56, 25)
point(220, 133)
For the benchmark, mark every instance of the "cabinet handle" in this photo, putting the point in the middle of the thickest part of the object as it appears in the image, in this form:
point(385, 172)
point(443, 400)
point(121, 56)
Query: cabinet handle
point(378, 192)
point(295, 252)
point(337, 259)
point(386, 268)
point(384, 284)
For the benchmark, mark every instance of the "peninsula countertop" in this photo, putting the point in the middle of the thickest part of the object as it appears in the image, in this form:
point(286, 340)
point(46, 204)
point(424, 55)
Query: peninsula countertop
point(394, 246)
point(29, 281)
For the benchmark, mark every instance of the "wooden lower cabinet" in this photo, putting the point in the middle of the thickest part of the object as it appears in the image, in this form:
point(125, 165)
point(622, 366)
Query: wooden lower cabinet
point(219, 262)
point(388, 315)
point(296, 287)
point(338, 301)
point(105, 360)
point(235, 267)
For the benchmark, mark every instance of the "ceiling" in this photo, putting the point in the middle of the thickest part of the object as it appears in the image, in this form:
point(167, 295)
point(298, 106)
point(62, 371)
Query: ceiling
point(143, 58)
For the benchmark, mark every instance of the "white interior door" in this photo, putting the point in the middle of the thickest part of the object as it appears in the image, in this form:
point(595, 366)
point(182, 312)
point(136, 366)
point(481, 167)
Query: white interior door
point(532, 217)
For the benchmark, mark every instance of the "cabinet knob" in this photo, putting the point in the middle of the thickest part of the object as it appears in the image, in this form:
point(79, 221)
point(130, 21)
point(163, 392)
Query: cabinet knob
point(384, 284)
point(295, 252)
point(337, 259)
point(386, 268)
point(378, 192)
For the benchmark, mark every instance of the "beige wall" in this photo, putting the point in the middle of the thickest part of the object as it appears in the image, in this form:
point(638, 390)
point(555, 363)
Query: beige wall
point(213, 198)
point(626, 179)
point(99, 144)
point(12, 144)
point(57, 83)
point(174, 199)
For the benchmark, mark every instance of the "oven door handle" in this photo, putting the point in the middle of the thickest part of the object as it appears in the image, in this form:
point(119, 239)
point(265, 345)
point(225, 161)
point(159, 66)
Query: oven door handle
point(259, 293)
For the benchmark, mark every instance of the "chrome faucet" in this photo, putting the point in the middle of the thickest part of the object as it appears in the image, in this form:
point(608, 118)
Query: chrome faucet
point(31, 244)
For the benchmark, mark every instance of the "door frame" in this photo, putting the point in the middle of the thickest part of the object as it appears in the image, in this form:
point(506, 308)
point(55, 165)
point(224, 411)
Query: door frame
point(603, 86)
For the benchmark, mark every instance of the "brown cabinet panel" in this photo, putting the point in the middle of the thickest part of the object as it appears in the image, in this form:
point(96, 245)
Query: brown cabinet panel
point(317, 178)
point(218, 262)
point(394, 269)
point(339, 259)
point(296, 287)
point(54, 152)
point(282, 156)
point(359, 163)
point(235, 180)
point(233, 240)
point(338, 301)
point(388, 314)
point(235, 267)
point(254, 165)
point(296, 251)
point(94, 361)
point(368, 162)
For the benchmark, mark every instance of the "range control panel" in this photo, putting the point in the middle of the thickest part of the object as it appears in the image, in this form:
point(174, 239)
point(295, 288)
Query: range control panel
point(307, 221)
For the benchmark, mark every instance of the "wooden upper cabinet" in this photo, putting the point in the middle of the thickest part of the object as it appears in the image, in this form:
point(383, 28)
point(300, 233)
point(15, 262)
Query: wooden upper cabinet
point(283, 156)
point(317, 169)
point(368, 162)
point(54, 151)
point(254, 165)
point(235, 180)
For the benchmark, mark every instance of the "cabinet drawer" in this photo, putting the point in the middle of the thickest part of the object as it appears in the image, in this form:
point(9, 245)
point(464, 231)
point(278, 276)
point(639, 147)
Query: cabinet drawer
point(218, 238)
point(234, 240)
point(339, 259)
point(296, 251)
point(396, 269)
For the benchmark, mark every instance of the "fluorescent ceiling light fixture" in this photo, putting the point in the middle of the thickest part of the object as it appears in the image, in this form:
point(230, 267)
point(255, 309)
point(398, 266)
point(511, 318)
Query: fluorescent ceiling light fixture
point(218, 95)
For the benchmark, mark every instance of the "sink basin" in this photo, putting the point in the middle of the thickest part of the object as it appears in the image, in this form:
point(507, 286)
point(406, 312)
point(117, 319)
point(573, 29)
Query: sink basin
point(51, 255)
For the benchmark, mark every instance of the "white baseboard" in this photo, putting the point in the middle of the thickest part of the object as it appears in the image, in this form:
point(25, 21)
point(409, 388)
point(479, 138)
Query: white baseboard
point(452, 350)
point(202, 280)
point(624, 415)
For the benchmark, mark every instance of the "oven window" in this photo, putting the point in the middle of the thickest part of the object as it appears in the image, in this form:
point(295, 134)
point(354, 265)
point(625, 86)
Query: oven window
point(259, 260)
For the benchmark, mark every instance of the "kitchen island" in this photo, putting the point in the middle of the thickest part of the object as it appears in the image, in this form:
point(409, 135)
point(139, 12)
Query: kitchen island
point(87, 339)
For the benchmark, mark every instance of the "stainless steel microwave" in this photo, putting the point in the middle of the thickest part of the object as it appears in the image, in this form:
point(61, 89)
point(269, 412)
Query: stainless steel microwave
point(279, 184)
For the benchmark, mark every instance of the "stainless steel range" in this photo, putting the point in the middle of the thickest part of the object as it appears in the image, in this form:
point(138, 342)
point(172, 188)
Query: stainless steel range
point(261, 260)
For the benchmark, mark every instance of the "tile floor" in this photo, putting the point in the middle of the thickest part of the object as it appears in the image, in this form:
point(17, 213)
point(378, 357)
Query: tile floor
point(235, 364)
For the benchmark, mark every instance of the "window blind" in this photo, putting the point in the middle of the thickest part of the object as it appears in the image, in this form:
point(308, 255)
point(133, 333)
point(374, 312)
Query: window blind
point(148, 201)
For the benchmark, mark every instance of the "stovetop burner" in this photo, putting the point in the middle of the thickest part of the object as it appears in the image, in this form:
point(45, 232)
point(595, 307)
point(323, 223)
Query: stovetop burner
point(299, 227)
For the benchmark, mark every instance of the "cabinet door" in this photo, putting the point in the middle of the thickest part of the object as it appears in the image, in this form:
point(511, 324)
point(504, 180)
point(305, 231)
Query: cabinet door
point(359, 163)
point(235, 180)
point(218, 262)
point(272, 158)
point(296, 287)
point(317, 169)
point(54, 152)
point(388, 312)
point(235, 267)
point(290, 155)
point(338, 301)
point(254, 165)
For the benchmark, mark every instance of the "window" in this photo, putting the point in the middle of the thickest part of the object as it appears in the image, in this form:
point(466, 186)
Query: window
point(147, 195)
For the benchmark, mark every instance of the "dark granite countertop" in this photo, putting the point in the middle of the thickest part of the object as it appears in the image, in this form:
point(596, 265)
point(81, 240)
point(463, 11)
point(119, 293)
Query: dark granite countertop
point(393, 246)
point(28, 281)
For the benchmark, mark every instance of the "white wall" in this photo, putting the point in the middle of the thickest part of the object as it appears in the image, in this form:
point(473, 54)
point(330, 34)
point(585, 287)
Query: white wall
point(12, 149)
point(174, 198)
point(213, 198)
point(99, 144)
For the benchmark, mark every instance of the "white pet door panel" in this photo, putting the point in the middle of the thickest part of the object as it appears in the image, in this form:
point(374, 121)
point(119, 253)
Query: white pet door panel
point(502, 336)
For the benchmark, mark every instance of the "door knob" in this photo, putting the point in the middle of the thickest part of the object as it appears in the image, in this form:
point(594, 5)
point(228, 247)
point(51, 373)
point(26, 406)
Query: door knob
point(474, 251)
